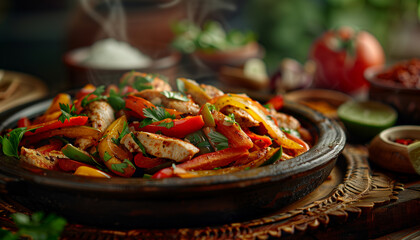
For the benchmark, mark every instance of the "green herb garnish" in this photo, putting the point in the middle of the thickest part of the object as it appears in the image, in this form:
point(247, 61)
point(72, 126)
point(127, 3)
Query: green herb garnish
point(36, 227)
point(219, 140)
point(175, 95)
point(10, 142)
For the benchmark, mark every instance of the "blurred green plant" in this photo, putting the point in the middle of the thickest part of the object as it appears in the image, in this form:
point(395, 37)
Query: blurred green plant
point(211, 37)
point(36, 227)
point(288, 28)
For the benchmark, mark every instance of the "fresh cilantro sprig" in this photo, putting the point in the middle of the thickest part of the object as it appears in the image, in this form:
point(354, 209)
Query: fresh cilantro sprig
point(230, 118)
point(291, 131)
point(168, 124)
point(156, 114)
point(116, 100)
point(219, 140)
point(181, 86)
point(67, 112)
point(175, 96)
point(98, 93)
point(143, 82)
point(10, 142)
point(38, 227)
point(198, 140)
point(137, 141)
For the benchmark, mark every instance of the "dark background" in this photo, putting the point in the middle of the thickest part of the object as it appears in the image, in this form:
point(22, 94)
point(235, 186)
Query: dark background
point(34, 35)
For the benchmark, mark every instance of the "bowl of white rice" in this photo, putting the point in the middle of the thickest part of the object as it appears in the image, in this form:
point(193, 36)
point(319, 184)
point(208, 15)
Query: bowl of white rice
point(106, 60)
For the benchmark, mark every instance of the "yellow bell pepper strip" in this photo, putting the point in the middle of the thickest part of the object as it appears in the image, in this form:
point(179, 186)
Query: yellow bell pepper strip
point(56, 124)
point(232, 131)
point(258, 114)
point(180, 127)
point(70, 132)
point(90, 172)
point(53, 111)
point(300, 141)
point(276, 102)
point(197, 93)
point(207, 161)
point(116, 158)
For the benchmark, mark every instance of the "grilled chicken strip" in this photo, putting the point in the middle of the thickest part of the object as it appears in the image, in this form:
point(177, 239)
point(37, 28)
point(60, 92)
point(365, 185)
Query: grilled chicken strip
point(157, 83)
point(241, 116)
point(286, 121)
point(161, 146)
point(101, 115)
point(211, 90)
point(35, 158)
point(157, 98)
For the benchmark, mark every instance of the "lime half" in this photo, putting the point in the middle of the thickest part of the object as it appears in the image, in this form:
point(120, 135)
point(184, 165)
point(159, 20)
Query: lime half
point(366, 118)
point(414, 155)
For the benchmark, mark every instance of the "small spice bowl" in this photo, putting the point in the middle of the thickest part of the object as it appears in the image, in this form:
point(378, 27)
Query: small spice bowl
point(385, 152)
point(405, 100)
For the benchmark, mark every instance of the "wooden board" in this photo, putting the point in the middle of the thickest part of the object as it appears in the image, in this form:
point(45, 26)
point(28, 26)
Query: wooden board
point(18, 88)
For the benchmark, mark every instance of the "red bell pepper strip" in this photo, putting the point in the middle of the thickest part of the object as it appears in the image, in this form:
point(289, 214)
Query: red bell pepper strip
point(88, 88)
point(23, 122)
point(181, 128)
point(232, 131)
point(55, 124)
point(276, 102)
point(68, 165)
point(55, 144)
point(259, 140)
point(136, 105)
point(142, 161)
point(207, 161)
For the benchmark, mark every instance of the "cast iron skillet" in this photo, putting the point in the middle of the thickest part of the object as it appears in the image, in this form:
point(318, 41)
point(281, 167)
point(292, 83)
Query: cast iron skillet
point(134, 202)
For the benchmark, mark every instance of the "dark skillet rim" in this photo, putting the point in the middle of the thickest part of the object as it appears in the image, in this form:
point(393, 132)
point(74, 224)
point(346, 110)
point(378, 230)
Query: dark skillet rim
point(330, 143)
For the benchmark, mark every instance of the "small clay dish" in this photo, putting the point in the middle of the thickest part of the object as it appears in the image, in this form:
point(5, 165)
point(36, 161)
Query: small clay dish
point(385, 152)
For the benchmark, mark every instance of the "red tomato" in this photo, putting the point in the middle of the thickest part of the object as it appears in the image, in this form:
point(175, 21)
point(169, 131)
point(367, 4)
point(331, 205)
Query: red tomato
point(342, 56)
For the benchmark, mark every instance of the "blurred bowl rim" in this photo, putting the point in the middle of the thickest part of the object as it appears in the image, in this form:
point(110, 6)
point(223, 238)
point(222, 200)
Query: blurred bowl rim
point(319, 94)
